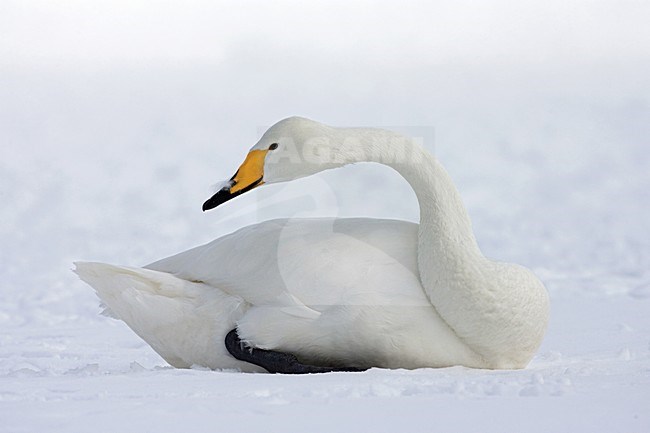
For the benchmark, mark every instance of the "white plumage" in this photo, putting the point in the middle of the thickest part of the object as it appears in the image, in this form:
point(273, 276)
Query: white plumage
point(354, 292)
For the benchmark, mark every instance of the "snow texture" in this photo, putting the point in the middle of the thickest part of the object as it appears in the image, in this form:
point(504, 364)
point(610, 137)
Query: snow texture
point(116, 117)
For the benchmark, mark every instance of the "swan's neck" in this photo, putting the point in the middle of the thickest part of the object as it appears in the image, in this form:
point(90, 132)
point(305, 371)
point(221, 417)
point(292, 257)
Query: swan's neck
point(446, 239)
point(498, 310)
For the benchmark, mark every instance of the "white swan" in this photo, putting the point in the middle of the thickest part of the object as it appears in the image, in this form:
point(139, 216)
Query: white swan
point(356, 292)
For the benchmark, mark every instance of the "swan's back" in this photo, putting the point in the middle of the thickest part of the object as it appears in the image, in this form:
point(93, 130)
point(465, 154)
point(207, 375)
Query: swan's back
point(355, 260)
point(332, 291)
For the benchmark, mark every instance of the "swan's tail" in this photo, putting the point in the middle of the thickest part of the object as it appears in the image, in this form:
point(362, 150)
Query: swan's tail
point(185, 322)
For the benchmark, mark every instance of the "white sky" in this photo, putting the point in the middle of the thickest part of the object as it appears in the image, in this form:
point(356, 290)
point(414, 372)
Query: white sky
point(529, 33)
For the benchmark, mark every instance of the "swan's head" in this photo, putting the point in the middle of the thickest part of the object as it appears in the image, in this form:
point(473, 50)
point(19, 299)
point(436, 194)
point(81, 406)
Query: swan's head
point(292, 148)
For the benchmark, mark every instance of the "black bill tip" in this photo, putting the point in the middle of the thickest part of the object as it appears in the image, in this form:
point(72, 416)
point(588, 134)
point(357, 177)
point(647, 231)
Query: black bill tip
point(224, 194)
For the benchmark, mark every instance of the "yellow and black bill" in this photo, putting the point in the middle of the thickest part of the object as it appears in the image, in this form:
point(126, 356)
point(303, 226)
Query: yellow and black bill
point(250, 175)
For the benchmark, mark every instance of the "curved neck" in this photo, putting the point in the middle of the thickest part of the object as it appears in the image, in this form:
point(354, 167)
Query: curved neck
point(498, 310)
point(446, 239)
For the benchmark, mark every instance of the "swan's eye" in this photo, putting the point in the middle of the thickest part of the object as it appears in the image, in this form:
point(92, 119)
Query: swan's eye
point(273, 146)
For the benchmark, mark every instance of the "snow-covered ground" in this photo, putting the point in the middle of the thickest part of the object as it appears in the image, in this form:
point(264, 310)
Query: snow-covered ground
point(592, 374)
point(115, 118)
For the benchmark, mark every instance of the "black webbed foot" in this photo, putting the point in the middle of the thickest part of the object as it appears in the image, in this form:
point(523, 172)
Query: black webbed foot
point(274, 362)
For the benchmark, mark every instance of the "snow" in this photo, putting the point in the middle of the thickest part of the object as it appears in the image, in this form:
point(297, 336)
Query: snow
point(109, 143)
point(589, 376)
